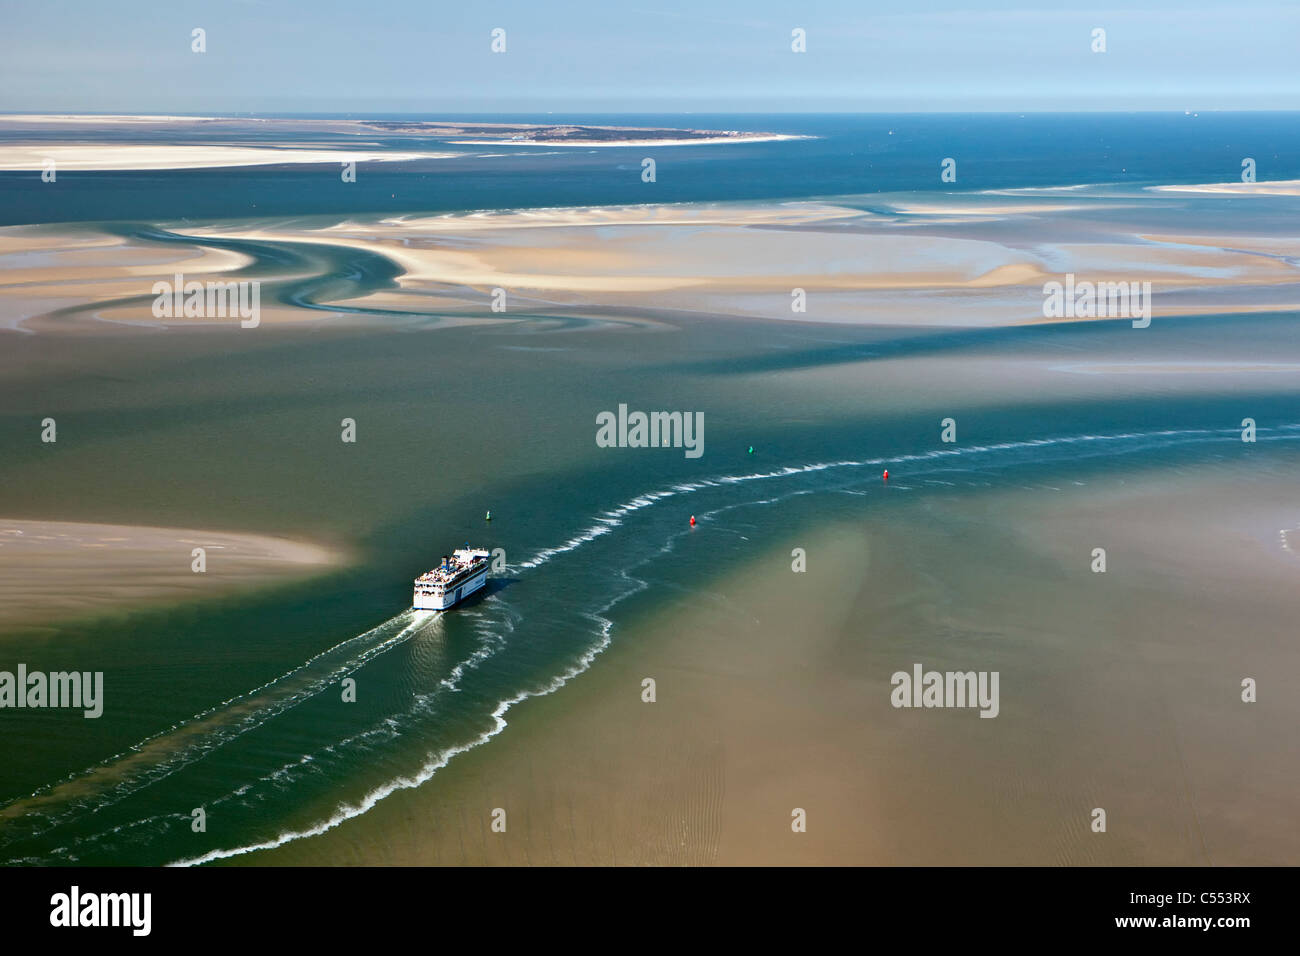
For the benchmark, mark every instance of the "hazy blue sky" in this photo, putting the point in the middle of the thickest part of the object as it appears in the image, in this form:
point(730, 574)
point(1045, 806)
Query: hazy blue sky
point(402, 55)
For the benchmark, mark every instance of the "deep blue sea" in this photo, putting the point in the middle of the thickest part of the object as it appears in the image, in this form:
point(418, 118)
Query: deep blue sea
point(849, 155)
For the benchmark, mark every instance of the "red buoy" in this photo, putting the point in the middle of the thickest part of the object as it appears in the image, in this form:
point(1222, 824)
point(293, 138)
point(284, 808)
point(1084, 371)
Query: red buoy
point(886, 474)
point(692, 521)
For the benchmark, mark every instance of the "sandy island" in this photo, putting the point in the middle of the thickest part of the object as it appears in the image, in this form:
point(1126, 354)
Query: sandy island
point(1281, 187)
point(120, 156)
point(699, 141)
point(58, 569)
point(208, 143)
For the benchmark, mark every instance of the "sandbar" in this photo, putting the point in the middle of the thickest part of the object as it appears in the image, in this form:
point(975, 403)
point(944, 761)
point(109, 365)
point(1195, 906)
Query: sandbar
point(58, 569)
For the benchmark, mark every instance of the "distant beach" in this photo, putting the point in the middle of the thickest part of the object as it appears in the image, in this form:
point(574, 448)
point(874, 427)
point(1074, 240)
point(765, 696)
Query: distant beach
point(209, 146)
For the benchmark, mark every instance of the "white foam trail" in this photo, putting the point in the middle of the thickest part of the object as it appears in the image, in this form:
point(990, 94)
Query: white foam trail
point(435, 761)
point(432, 765)
point(172, 761)
point(387, 728)
point(609, 520)
point(392, 726)
point(606, 523)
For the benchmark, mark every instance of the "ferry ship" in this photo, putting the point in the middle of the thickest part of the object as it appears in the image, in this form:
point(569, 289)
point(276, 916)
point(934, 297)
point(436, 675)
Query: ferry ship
point(455, 579)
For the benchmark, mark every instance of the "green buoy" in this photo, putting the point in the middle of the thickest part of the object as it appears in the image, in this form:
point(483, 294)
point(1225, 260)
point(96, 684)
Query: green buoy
point(751, 449)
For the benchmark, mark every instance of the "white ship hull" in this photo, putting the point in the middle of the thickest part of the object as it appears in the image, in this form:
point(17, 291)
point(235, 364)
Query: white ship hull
point(440, 599)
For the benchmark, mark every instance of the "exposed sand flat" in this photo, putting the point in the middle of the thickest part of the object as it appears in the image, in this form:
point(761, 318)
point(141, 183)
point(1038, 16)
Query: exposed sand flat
point(84, 258)
point(651, 214)
point(628, 252)
point(46, 268)
point(90, 120)
point(58, 569)
point(979, 209)
point(1177, 368)
point(119, 156)
point(1281, 187)
point(1163, 259)
point(588, 143)
point(1270, 246)
point(739, 259)
point(722, 258)
point(26, 240)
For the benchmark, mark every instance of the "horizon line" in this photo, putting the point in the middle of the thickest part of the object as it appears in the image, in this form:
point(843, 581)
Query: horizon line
point(648, 112)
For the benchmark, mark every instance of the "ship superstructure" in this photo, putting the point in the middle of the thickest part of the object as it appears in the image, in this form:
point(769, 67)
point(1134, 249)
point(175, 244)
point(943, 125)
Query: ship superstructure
point(456, 578)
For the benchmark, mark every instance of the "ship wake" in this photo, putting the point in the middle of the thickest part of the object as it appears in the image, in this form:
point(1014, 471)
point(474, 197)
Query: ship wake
point(192, 739)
